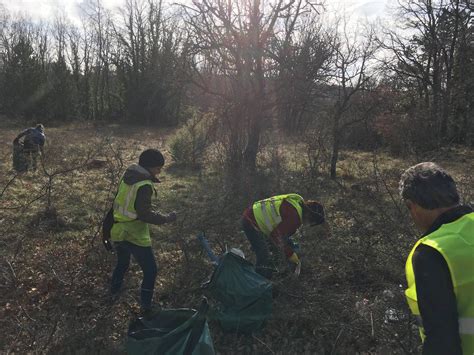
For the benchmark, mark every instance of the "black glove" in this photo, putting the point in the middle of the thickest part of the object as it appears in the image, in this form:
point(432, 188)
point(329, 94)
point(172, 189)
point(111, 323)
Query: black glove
point(108, 245)
point(171, 217)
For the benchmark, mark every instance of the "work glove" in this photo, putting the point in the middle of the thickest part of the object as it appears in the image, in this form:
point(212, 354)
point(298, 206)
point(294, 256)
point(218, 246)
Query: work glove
point(171, 217)
point(293, 245)
point(108, 245)
point(294, 259)
point(294, 264)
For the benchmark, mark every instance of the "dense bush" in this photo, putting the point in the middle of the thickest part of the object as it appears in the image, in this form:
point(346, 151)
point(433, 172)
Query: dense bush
point(188, 145)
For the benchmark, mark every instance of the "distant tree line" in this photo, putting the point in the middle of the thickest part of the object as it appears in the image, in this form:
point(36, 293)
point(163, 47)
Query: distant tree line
point(256, 65)
point(431, 68)
point(130, 65)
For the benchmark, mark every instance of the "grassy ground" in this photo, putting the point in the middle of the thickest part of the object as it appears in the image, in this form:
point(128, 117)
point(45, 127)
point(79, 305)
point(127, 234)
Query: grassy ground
point(54, 273)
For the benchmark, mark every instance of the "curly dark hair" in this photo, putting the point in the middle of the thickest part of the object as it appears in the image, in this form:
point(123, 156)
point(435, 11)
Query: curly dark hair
point(314, 212)
point(429, 186)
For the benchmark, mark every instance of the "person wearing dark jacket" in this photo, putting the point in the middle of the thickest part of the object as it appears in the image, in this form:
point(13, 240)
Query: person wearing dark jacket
point(32, 145)
point(440, 267)
point(132, 212)
point(275, 220)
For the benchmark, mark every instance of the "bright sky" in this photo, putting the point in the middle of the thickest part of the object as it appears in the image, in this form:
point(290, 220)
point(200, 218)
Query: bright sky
point(45, 9)
point(361, 8)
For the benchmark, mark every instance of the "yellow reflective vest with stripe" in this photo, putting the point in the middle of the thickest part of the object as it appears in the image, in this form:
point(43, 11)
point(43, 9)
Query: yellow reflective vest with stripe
point(455, 242)
point(267, 212)
point(127, 227)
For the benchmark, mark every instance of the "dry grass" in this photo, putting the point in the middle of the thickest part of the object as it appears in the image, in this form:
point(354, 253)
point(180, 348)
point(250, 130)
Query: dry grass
point(54, 272)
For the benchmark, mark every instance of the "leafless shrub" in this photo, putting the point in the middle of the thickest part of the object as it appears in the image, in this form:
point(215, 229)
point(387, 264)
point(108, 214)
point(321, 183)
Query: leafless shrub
point(317, 151)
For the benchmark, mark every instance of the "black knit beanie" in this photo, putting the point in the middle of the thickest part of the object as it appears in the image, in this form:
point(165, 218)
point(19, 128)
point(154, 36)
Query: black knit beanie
point(151, 158)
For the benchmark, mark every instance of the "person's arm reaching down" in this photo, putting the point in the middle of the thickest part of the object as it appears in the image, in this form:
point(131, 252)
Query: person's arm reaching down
point(22, 134)
point(287, 227)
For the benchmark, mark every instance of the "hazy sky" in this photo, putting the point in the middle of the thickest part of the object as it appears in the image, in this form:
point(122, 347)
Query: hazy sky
point(44, 9)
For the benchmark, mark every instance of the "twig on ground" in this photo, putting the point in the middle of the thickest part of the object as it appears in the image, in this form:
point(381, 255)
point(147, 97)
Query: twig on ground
point(372, 324)
point(51, 335)
point(57, 276)
point(264, 344)
point(333, 351)
point(26, 313)
point(8, 184)
point(12, 271)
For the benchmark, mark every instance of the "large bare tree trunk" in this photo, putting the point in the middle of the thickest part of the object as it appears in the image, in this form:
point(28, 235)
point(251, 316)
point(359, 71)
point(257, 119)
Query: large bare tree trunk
point(234, 38)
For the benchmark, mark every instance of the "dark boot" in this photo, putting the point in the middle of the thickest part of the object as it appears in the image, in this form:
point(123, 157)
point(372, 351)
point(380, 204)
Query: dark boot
point(150, 312)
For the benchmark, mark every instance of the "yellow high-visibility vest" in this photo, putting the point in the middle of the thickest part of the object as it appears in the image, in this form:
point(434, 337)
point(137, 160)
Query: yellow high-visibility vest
point(455, 242)
point(127, 227)
point(267, 212)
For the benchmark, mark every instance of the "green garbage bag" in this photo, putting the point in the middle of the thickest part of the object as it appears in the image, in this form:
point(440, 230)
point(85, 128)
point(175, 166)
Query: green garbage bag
point(244, 296)
point(20, 163)
point(171, 332)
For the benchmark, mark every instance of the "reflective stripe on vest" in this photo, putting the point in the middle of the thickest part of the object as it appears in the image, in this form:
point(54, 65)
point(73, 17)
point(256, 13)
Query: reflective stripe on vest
point(128, 227)
point(267, 212)
point(270, 219)
point(455, 242)
point(466, 325)
point(124, 209)
point(124, 203)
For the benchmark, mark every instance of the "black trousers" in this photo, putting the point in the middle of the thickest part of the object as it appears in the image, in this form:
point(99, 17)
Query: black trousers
point(145, 258)
point(31, 153)
point(259, 244)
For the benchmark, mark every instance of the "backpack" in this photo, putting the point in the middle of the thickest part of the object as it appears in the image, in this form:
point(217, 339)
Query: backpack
point(107, 224)
point(34, 137)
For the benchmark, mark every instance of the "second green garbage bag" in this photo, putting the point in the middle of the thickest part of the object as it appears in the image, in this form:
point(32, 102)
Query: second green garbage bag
point(244, 296)
point(171, 332)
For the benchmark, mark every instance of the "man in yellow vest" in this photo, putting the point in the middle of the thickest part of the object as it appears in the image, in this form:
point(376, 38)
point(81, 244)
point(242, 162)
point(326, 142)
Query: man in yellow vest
point(274, 220)
point(440, 267)
point(132, 213)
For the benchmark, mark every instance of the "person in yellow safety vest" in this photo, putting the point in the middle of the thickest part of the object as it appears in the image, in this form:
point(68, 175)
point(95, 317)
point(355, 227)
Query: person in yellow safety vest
point(440, 267)
point(277, 218)
point(132, 212)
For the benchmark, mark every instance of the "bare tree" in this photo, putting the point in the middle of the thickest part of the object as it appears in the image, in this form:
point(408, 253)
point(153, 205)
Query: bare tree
point(4, 23)
point(151, 58)
point(99, 26)
point(351, 74)
point(303, 56)
point(23, 72)
point(232, 41)
point(426, 51)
